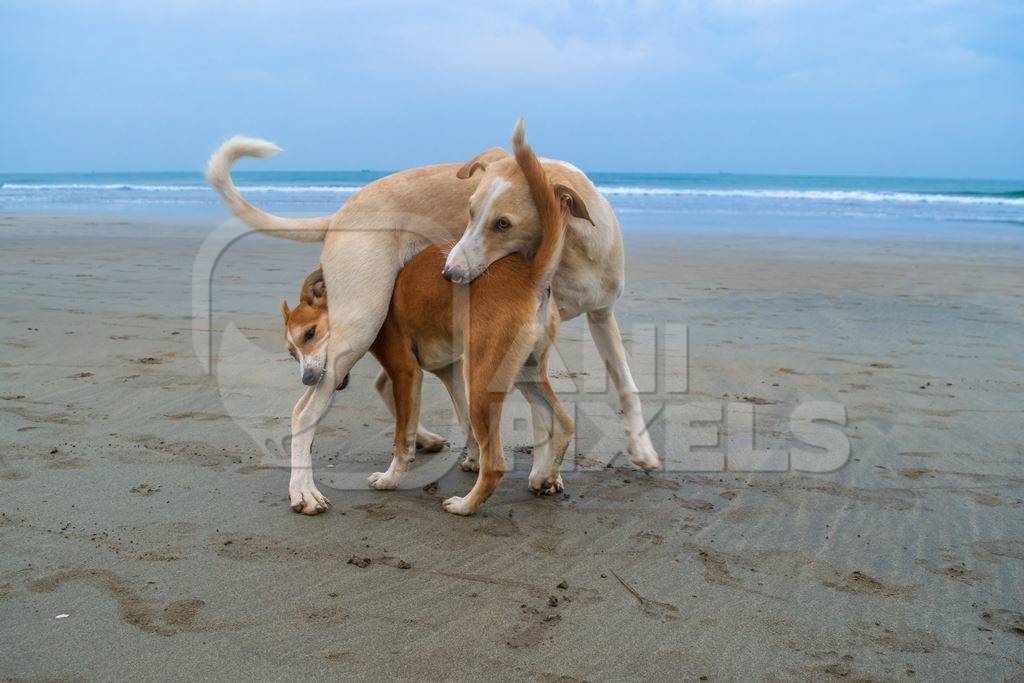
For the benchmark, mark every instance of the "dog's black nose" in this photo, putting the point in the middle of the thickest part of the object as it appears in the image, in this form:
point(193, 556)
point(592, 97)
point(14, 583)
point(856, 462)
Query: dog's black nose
point(310, 377)
point(446, 274)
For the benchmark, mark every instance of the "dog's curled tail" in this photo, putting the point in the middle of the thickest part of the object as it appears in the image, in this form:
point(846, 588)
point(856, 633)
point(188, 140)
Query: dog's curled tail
point(218, 174)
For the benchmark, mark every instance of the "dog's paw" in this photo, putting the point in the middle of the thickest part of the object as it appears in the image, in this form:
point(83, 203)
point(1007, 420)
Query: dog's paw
point(458, 505)
point(643, 455)
point(305, 498)
point(383, 481)
point(429, 442)
point(470, 465)
point(546, 486)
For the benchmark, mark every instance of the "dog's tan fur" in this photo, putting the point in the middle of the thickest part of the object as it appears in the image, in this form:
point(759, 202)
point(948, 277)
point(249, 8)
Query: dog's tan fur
point(504, 340)
point(307, 329)
point(385, 224)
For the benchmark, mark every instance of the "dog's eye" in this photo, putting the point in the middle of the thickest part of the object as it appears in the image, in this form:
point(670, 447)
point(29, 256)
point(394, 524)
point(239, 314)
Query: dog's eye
point(501, 224)
point(310, 333)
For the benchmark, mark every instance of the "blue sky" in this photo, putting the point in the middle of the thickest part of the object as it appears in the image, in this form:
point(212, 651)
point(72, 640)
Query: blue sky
point(922, 87)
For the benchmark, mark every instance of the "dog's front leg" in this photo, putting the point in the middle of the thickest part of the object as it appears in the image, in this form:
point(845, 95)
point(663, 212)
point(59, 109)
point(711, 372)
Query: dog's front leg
point(454, 381)
point(407, 386)
point(426, 440)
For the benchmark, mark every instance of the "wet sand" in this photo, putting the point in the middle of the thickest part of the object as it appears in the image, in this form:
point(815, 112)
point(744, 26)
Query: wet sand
point(136, 497)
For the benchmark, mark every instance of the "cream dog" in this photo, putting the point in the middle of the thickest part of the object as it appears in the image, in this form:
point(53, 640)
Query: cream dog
point(392, 219)
point(503, 339)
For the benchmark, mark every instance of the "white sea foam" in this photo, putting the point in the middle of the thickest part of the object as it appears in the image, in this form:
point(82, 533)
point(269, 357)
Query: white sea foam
point(818, 195)
point(839, 196)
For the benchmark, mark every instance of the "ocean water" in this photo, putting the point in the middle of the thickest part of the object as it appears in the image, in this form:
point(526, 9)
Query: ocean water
point(654, 199)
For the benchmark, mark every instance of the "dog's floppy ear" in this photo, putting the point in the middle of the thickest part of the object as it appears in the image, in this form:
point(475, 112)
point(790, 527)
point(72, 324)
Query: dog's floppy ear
point(572, 201)
point(314, 289)
point(480, 162)
point(285, 311)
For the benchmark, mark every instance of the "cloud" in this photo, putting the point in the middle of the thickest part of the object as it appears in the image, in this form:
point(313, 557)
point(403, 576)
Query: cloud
point(705, 75)
point(494, 49)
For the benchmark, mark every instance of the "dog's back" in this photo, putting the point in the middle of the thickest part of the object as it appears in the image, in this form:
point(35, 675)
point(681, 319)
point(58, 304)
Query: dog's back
point(429, 312)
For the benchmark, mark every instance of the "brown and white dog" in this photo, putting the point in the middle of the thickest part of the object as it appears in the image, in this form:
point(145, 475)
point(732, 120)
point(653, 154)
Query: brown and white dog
point(503, 339)
point(307, 329)
point(381, 227)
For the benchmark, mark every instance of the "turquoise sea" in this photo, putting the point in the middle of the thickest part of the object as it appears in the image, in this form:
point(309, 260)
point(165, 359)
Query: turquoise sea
point(647, 199)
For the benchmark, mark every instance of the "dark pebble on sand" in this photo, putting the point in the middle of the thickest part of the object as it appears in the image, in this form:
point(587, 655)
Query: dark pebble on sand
point(361, 562)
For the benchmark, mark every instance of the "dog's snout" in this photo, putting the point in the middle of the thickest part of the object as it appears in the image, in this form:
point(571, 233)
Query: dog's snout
point(456, 275)
point(310, 377)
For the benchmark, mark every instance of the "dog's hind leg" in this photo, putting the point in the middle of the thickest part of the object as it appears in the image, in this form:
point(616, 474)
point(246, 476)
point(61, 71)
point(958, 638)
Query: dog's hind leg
point(541, 416)
point(363, 266)
point(426, 440)
point(605, 331)
point(303, 494)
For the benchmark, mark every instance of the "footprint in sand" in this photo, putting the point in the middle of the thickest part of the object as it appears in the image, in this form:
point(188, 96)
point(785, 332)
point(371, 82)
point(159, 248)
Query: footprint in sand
point(1004, 620)
point(862, 584)
point(182, 612)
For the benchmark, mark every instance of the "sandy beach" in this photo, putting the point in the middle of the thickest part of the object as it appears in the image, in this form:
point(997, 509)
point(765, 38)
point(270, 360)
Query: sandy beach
point(146, 533)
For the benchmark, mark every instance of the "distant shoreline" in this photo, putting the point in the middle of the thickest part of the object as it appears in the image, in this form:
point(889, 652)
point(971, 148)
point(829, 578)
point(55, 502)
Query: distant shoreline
point(800, 197)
